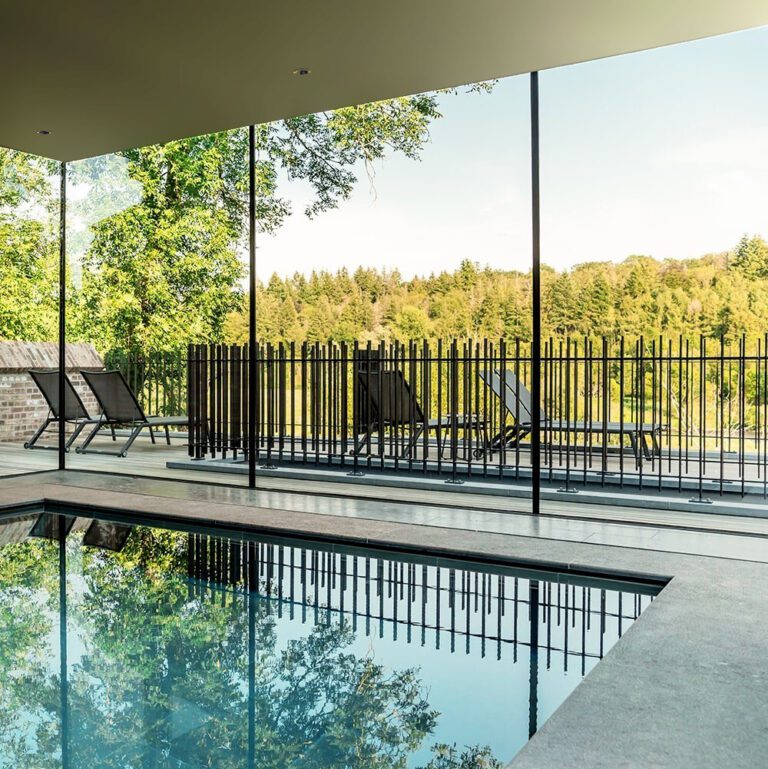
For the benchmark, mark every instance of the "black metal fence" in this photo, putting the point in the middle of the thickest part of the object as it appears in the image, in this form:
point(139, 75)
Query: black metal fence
point(656, 414)
point(158, 378)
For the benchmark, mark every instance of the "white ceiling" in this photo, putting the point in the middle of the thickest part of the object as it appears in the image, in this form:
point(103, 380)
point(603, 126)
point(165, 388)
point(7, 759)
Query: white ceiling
point(103, 76)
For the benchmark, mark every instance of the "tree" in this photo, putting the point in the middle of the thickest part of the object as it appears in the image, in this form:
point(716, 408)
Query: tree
point(751, 257)
point(28, 249)
point(165, 270)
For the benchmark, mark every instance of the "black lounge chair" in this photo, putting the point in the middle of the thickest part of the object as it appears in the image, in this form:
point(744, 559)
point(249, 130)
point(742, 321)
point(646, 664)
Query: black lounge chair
point(103, 535)
point(107, 535)
point(75, 412)
point(389, 402)
point(518, 402)
point(120, 407)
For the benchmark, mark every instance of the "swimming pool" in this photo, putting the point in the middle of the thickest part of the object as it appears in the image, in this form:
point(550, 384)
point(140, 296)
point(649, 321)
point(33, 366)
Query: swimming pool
point(125, 645)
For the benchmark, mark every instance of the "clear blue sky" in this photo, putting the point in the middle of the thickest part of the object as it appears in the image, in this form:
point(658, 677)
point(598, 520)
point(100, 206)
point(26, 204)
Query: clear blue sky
point(663, 153)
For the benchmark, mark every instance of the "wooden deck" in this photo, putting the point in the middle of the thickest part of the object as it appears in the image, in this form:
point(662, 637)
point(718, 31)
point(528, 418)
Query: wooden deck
point(144, 459)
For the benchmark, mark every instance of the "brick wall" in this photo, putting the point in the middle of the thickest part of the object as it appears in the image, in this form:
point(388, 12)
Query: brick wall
point(22, 406)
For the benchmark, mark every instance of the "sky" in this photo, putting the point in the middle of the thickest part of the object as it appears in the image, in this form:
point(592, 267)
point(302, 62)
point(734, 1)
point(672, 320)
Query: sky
point(663, 153)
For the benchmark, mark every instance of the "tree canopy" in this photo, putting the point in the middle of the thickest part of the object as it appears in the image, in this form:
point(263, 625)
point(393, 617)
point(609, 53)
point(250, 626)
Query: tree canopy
point(166, 268)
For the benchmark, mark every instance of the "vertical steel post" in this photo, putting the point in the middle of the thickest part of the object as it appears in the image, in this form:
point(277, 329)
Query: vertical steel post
point(536, 300)
point(252, 307)
point(62, 311)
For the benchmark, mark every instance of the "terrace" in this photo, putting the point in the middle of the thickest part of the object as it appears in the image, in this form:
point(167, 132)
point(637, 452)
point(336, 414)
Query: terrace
point(689, 434)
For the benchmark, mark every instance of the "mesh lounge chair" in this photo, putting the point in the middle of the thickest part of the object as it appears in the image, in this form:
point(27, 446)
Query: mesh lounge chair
point(517, 400)
point(74, 411)
point(120, 408)
point(389, 402)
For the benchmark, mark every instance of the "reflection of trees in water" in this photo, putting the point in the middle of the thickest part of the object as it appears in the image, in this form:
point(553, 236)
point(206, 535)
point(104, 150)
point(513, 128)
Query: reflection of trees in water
point(163, 678)
point(29, 692)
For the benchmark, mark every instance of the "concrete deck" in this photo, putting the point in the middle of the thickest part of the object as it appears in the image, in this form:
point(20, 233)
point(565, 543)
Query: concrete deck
point(684, 687)
point(670, 507)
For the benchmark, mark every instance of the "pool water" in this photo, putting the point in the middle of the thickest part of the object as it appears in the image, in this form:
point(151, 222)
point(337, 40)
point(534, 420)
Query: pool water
point(131, 646)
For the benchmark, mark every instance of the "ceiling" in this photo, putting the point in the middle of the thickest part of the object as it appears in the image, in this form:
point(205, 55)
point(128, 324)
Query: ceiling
point(104, 76)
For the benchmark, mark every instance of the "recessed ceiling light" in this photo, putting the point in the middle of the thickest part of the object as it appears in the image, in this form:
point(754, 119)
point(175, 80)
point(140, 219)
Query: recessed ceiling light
point(301, 71)
point(44, 132)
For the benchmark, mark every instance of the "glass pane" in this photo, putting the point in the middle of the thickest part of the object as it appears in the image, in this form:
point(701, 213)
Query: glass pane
point(654, 193)
point(155, 246)
point(394, 309)
point(29, 302)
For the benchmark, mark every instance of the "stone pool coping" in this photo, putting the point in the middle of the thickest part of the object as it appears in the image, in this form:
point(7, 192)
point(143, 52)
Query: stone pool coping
point(684, 687)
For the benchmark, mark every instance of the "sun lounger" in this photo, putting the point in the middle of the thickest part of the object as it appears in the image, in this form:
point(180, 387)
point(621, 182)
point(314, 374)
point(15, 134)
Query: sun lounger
point(517, 401)
point(75, 412)
point(120, 408)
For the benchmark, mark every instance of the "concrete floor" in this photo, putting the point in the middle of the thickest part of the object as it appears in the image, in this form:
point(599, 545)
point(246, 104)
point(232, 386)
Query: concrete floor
point(684, 687)
point(669, 509)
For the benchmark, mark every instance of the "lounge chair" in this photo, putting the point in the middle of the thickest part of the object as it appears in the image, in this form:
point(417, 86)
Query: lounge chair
point(104, 535)
point(389, 402)
point(120, 407)
point(75, 412)
point(517, 401)
point(107, 535)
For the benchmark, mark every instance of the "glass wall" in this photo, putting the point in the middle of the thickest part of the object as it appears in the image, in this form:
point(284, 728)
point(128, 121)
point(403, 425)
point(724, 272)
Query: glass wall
point(394, 313)
point(654, 201)
point(29, 303)
point(156, 258)
point(394, 300)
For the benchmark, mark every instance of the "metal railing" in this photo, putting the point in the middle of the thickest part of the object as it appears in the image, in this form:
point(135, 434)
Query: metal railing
point(655, 414)
point(158, 378)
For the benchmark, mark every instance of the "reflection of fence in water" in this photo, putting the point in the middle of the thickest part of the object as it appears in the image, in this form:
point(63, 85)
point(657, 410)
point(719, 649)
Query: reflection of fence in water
point(458, 609)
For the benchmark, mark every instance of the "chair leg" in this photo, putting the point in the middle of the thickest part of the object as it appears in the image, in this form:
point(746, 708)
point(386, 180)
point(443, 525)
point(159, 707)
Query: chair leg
point(646, 448)
point(635, 448)
point(152, 434)
point(439, 440)
point(413, 440)
point(361, 440)
point(81, 449)
point(167, 435)
point(72, 438)
point(131, 438)
point(30, 444)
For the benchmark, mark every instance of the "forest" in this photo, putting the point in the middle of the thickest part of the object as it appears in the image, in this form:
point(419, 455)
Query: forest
point(718, 295)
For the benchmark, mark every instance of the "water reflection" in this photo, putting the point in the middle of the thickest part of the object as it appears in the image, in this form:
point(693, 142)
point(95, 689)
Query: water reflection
point(140, 647)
